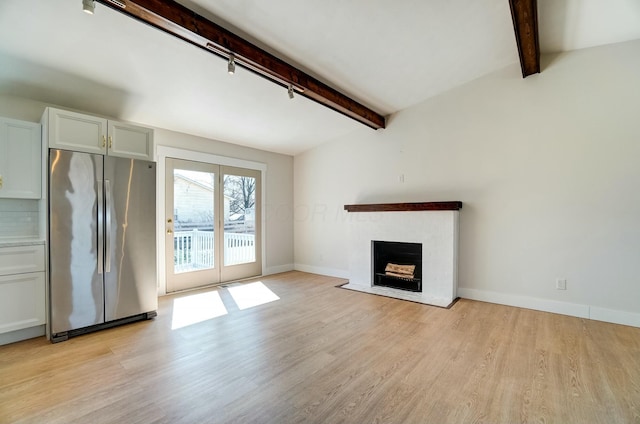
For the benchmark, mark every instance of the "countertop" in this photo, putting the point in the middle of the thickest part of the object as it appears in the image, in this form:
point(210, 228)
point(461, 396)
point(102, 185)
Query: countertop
point(16, 241)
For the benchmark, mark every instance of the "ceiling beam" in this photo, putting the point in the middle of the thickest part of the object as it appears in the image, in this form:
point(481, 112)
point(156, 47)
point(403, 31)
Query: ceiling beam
point(187, 25)
point(525, 23)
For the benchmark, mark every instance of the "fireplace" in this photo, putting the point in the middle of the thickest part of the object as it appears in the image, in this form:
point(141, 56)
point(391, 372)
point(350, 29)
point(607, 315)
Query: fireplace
point(433, 226)
point(397, 265)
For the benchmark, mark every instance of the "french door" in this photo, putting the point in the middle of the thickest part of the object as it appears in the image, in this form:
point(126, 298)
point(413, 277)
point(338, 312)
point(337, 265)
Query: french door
point(213, 220)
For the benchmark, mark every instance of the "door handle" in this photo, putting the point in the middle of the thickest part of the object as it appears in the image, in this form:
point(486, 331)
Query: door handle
point(107, 216)
point(100, 227)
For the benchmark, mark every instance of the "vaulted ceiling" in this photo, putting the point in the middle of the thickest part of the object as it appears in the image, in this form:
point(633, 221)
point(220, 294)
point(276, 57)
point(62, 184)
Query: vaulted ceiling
point(385, 55)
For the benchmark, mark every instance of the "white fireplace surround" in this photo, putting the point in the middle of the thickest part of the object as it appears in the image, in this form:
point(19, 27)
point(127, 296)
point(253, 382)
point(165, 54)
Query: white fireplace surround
point(436, 230)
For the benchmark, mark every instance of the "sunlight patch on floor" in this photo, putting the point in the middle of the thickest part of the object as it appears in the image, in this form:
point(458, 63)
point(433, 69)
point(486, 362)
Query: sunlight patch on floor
point(196, 308)
point(252, 294)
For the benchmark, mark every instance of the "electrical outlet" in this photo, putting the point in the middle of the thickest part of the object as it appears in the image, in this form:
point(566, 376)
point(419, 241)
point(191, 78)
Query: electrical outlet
point(561, 284)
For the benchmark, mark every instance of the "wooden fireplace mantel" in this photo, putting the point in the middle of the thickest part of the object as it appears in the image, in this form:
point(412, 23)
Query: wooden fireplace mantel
point(405, 207)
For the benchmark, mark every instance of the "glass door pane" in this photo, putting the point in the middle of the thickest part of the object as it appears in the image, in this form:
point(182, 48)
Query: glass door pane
point(193, 220)
point(239, 219)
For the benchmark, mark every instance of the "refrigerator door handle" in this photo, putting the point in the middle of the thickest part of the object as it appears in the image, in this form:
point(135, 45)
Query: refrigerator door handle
point(100, 227)
point(107, 188)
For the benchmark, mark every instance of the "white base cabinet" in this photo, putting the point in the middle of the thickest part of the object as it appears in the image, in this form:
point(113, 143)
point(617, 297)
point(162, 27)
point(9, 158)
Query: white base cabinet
point(22, 303)
point(22, 288)
point(91, 134)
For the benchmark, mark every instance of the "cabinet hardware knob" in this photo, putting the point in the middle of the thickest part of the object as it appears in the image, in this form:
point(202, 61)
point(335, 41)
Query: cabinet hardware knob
point(110, 142)
point(104, 141)
point(1, 181)
point(169, 231)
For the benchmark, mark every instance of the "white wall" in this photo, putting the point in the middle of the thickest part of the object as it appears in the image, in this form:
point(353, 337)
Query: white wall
point(20, 108)
point(548, 169)
point(278, 177)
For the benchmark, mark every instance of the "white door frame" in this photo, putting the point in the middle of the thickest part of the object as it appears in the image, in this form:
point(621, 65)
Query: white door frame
point(162, 152)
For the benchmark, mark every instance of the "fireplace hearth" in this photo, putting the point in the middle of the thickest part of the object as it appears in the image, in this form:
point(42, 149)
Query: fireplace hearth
point(397, 265)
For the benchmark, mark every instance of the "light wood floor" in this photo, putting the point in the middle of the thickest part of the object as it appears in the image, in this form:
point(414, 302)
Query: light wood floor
point(322, 354)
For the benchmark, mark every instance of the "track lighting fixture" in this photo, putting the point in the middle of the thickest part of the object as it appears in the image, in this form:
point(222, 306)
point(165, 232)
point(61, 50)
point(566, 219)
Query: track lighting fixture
point(88, 6)
point(231, 67)
point(290, 91)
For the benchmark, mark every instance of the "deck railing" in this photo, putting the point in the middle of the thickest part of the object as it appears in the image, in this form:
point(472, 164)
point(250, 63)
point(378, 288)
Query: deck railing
point(195, 249)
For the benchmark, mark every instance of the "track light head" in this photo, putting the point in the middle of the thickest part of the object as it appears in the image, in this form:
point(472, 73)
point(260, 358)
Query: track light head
point(290, 91)
point(88, 6)
point(231, 67)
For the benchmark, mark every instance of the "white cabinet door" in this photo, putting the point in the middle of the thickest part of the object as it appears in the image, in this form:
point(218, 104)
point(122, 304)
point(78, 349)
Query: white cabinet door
point(130, 141)
point(22, 301)
point(20, 159)
point(76, 131)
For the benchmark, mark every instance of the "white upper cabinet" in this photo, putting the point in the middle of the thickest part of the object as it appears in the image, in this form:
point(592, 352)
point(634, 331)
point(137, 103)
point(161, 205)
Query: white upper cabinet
point(20, 159)
point(86, 133)
point(76, 131)
point(130, 141)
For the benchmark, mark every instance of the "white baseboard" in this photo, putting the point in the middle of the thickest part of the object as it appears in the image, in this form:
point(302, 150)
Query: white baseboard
point(554, 306)
point(278, 269)
point(331, 272)
point(617, 317)
point(24, 334)
point(564, 308)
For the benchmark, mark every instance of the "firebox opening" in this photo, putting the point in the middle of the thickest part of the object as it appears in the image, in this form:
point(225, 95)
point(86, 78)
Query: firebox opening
point(397, 265)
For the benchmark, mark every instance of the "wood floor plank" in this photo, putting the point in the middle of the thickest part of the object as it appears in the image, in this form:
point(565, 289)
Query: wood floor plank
point(322, 354)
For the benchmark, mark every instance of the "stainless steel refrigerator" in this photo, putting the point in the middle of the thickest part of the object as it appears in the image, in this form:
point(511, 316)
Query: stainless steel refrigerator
point(102, 242)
